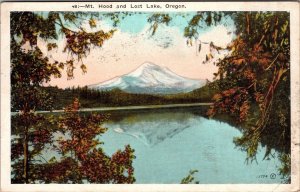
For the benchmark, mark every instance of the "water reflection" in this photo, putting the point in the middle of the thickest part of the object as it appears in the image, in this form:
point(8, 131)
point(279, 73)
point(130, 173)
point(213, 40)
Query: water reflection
point(170, 142)
point(151, 128)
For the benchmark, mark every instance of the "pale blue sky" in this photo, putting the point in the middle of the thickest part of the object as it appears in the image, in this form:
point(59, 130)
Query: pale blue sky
point(137, 21)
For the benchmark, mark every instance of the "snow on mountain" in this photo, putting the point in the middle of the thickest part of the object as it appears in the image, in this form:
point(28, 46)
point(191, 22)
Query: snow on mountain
point(151, 78)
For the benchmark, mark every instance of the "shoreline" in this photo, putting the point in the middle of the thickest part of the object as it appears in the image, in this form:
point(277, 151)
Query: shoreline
point(127, 108)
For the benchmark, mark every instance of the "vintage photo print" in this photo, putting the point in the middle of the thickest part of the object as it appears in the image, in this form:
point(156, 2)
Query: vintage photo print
point(152, 96)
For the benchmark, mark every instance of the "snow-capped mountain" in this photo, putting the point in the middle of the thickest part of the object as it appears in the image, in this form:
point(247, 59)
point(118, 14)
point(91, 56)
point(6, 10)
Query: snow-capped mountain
point(151, 78)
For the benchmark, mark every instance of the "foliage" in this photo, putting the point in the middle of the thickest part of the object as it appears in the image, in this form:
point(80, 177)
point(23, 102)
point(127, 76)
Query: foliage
point(158, 18)
point(254, 78)
point(30, 68)
point(29, 71)
point(201, 19)
point(85, 149)
point(31, 134)
point(29, 27)
point(80, 152)
point(285, 168)
point(190, 178)
point(94, 98)
point(256, 81)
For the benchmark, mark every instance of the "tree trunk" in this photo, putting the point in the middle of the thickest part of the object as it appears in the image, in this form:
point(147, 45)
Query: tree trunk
point(26, 158)
point(248, 23)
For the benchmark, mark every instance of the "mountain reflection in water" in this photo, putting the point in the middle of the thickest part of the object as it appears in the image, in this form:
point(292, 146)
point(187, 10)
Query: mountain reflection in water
point(170, 142)
point(151, 130)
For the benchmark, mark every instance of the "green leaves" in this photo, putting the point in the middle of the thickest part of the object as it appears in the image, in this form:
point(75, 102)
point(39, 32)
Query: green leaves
point(200, 20)
point(79, 43)
point(52, 160)
point(92, 23)
point(70, 16)
point(158, 18)
point(28, 27)
point(190, 178)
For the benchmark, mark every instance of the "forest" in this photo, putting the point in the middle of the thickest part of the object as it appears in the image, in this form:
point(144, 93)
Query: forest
point(252, 86)
point(90, 98)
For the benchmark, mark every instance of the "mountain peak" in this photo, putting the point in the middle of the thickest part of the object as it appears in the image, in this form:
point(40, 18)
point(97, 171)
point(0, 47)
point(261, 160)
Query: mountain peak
point(145, 68)
point(153, 79)
point(149, 65)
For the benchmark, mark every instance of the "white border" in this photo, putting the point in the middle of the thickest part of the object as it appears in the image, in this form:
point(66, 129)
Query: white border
point(292, 7)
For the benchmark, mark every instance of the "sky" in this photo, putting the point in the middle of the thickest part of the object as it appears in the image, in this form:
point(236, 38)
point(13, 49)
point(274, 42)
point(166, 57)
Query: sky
point(133, 44)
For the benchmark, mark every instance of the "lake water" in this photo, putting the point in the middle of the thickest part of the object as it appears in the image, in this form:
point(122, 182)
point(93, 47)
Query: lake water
point(169, 143)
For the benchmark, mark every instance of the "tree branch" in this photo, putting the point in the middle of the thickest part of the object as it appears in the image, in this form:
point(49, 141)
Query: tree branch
point(272, 62)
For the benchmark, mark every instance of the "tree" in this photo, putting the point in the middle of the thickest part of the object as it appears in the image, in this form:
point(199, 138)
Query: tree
point(30, 69)
point(255, 81)
point(82, 153)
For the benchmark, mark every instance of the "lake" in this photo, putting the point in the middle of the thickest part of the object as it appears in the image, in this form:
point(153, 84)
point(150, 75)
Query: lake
point(168, 143)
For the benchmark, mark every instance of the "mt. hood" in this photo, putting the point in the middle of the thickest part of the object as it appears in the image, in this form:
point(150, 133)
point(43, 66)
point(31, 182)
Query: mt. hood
point(152, 79)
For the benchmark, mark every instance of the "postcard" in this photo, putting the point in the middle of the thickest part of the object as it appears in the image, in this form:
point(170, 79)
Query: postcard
point(150, 96)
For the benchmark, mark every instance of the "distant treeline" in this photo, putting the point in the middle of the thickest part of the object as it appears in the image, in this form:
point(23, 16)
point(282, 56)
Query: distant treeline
point(94, 98)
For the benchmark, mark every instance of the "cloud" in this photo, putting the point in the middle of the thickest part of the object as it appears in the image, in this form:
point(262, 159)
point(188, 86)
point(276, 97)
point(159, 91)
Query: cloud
point(125, 51)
